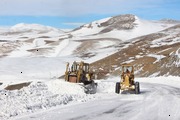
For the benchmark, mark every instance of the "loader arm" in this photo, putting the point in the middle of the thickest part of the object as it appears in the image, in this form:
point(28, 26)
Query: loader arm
point(66, 72)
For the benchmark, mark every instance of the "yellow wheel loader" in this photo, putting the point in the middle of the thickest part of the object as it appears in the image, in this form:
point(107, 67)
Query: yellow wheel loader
point(127, 83)
point(79, 72)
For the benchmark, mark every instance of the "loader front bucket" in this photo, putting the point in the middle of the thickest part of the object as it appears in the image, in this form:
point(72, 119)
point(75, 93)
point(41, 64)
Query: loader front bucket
point(90, 88)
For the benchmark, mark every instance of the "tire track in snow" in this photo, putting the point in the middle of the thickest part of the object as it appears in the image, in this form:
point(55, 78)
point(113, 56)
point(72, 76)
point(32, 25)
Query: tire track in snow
point(162, 103)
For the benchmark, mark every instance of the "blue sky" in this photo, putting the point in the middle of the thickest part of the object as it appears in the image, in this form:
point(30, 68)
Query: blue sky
point(68, 14)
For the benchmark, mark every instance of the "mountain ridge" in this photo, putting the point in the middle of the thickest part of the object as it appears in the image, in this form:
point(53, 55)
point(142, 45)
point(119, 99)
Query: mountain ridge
point(92, 45)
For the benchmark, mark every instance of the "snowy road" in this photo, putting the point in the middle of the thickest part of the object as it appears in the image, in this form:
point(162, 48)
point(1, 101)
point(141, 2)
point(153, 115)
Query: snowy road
point(156, 102)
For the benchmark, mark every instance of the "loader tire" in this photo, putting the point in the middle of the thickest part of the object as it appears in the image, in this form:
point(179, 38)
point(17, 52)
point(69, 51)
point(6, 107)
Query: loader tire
point(137, 88)
point(117, 89)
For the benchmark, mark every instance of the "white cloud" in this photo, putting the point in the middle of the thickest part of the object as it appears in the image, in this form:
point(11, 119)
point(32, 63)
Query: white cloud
point(30, 7)
point(70, 7)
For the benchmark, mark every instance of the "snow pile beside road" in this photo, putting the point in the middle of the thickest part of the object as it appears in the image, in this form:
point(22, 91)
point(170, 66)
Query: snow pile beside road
point(62, 87)
point(39, 96)
point(107, 86)
point(47, 94)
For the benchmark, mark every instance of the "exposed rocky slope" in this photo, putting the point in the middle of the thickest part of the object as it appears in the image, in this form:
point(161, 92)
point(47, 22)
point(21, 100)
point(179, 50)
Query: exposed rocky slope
point(155, 54)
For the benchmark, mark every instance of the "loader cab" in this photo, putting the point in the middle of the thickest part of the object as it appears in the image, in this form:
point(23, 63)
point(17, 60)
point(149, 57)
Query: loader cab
point(127, 69)
point(74, 67)
point(76, 71)
point(86, 68)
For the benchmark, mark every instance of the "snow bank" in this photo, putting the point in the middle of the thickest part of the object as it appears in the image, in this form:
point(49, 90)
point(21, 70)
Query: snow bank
point(108, 85)
point(61, 87)
point(39, 96)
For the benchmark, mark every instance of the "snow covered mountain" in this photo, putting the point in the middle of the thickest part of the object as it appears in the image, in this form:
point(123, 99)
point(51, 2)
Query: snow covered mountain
point(122, 27)
point(22, 39)
point(22, 27)
point(91, 42)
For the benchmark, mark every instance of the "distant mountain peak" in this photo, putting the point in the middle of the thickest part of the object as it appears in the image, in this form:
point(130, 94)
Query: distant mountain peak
point(170, 20)
point(122, 27)
point(24, 27)
point(120, 22)
point(120, 19)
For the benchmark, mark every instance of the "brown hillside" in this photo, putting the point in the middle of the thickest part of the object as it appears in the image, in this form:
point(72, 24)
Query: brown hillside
point(155, 54)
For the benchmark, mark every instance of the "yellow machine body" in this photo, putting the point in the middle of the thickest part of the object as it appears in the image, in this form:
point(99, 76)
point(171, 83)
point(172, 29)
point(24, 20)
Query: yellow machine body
point(77, 72)
point(127, 80)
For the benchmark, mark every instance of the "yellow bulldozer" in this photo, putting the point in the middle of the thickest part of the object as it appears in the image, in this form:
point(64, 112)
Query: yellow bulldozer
point(127, 83)
point(79, 72)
